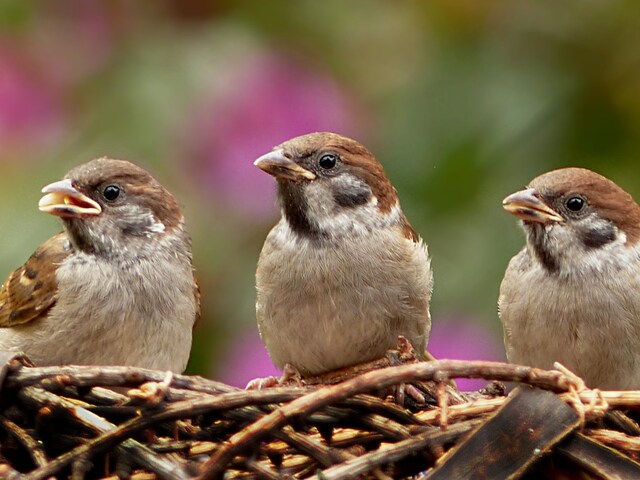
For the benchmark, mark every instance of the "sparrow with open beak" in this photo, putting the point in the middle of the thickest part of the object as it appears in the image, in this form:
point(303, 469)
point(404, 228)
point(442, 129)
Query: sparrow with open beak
point(342, 274)
point(572, 294)
point(116, 287)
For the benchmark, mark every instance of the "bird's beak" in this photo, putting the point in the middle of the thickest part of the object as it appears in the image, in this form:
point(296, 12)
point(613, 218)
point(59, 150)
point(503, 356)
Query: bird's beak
point(280, 166)
point(527, 206)
point(64, 200)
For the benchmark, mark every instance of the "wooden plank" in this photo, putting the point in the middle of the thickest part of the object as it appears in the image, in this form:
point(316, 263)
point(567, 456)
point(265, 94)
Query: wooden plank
point(598, 459)
point(526, 427)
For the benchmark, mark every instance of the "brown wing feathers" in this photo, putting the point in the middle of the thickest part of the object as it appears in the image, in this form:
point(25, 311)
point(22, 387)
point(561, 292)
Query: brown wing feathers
point(30, 291)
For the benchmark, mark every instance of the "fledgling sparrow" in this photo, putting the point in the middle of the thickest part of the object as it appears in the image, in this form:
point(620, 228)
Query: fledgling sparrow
point(572, 294)
point(116, 287)
point(342, 274)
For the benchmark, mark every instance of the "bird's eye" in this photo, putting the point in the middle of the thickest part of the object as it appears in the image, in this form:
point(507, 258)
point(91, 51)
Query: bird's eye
point(328, 160)
point(575, 204)
point(111, 192)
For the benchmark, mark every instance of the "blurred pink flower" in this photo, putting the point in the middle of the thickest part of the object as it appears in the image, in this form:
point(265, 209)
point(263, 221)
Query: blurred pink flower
point(246, 359)
point(30, 111)
point(451, 338)
point(464, 339)
point(85, 30)
point(269, 100)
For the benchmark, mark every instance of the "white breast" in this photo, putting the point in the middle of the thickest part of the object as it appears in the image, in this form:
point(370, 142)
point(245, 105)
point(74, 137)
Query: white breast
point(143, 316)
point(588, 320)
point(322, 307)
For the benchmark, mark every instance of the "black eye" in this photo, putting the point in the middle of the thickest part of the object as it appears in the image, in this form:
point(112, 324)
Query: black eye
point(111, 192)
point(328, 160)
point(575, 204)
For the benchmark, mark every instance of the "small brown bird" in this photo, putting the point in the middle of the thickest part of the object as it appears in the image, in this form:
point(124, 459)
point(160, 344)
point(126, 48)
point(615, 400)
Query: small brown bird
point(342, 274)
point(116, 287)
point(572, 294)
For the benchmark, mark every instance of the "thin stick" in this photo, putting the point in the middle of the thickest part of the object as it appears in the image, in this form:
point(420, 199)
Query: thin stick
point(143, 455)
point(27, 441)
point(385, 455)
point(376, 379)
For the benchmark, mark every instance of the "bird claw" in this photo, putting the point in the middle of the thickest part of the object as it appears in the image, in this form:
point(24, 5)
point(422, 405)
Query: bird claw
point(262, 383)
point(291, 377)
point(405, 348)
point(404, 353)
point(152, 393)
point(407, 390)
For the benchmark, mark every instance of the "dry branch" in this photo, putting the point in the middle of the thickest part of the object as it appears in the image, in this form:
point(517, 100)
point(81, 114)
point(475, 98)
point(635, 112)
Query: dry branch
point(105, 422)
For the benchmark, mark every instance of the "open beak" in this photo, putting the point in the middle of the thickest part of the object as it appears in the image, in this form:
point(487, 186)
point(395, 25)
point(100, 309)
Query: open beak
point(280, 166)
point(64, 200)
point(527, 206)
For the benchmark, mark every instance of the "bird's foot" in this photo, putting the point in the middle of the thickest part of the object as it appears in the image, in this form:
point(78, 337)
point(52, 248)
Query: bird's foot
point(291, 377)
point(152, 393)
point(419, 394)
point(405, 392)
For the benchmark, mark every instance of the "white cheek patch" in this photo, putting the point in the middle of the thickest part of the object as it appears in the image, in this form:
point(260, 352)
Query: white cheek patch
point(330, 217)
point(355, 221)
point(143, 221)
point(347, 181)
point(575, 258)
point(341, 225)
point(607, 256)
point(157, 227)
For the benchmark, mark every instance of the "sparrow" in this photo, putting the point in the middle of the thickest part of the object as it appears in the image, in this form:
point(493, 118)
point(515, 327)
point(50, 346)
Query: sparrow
point(342, 275)
point(572, 294)
point(117, 286)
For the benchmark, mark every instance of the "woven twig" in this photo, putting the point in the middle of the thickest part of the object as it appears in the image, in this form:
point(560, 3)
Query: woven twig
point(104, 422)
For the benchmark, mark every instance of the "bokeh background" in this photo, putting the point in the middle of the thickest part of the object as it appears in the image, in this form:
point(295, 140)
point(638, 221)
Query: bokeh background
point(462, 101)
